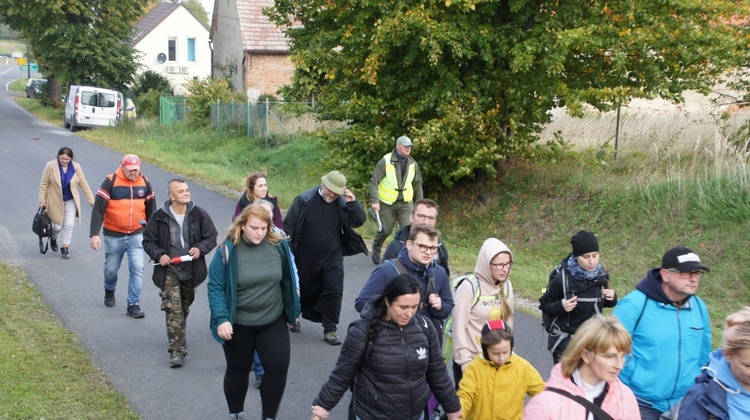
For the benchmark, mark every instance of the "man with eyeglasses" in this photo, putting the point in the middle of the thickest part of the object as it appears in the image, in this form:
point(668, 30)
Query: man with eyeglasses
point(425, 212)
point(670, 329)
point(418, 259)
point(396, 182)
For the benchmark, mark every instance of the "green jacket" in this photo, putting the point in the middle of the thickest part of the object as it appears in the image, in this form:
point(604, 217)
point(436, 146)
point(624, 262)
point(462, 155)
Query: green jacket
point(222, 286)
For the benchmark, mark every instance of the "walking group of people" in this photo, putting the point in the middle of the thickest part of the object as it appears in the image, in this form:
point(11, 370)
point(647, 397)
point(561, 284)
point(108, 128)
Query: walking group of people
point(652, 358)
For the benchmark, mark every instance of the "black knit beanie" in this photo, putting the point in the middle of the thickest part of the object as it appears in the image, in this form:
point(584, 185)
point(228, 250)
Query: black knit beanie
point(584, 242)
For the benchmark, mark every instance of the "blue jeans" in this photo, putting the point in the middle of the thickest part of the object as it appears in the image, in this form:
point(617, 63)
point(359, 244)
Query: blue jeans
point(114, 249)
point(257, 367)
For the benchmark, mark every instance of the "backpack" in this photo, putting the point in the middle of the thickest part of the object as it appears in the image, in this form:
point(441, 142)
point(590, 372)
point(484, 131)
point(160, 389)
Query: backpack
point(447, 331)
point(548, 320)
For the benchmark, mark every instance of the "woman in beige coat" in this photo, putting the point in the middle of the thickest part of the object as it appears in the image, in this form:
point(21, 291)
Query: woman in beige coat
point(58, 193)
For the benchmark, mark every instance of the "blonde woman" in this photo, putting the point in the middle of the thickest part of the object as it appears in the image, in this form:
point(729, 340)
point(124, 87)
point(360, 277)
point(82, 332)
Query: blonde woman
point(722, 391)
point(252, 296)
point(588, 374)
point(58, 193)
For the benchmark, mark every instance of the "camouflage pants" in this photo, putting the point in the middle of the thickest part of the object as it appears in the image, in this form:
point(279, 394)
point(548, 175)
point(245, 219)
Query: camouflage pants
point(176, 298)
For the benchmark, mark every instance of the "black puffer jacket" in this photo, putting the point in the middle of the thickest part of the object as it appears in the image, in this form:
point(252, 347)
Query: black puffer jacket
point(390, 383)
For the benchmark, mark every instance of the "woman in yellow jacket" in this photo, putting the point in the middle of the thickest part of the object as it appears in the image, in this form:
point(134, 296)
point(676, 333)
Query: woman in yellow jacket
point(495, 386)
point(58, 193)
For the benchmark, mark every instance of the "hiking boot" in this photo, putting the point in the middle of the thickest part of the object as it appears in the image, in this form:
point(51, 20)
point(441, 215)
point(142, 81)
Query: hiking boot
point(331, 338)
point(376, 258)
point(65, 253)
point(176, 361)
point(109, 298)
point(135, 311)
point(53, 244)
point(258, 380)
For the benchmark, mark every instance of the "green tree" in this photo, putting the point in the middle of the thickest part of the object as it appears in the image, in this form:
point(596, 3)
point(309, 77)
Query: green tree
point(78, 41)
point(206, 92)
point(151, 80)
point(472, 81)
point(196, 7)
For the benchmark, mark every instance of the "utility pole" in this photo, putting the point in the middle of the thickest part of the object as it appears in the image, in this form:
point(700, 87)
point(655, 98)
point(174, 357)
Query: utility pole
point(28, 62)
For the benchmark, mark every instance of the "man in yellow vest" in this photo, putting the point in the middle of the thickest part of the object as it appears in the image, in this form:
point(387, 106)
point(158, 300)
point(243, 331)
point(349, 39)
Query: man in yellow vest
point(396, 182)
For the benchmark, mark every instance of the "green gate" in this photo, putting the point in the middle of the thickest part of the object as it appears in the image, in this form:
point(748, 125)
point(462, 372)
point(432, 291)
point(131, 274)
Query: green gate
point(171, 109)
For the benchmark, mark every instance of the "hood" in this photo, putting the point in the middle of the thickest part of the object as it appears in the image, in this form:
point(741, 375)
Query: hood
point(490, 248)
point(718, 367)
point(651, 286)
point(168, 212)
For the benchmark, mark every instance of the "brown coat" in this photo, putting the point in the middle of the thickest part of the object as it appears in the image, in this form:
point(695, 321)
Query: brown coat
point(50, 190)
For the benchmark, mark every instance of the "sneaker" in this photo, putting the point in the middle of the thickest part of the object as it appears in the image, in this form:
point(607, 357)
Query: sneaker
point(237, 416)
point(376, 258)
point(53, 244)
point(258, 380)
point(109, 298)
point(331, 338)
point(135, 311)
point(176, 362)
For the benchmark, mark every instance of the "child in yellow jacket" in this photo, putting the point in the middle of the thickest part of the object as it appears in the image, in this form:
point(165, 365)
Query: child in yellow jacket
point(495, 386)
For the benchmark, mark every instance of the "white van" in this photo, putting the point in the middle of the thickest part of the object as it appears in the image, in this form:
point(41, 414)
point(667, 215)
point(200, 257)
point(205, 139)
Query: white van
point(88, 106)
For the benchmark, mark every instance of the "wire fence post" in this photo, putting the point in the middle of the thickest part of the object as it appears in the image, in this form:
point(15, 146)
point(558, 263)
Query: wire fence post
point(617, 131)
point(267, 134)
point(247, 117)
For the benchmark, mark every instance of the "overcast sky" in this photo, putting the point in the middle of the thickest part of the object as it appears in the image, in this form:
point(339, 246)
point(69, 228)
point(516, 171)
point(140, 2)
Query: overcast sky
point(209, 6)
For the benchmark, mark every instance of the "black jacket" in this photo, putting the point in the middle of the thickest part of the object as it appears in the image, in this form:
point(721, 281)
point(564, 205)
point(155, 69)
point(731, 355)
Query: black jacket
point(551, 302)
point(352, 216)
point(202, 235)
point(390, 372)
point(400, 240)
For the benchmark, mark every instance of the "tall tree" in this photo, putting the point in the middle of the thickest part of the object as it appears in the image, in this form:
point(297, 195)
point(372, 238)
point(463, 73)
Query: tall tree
point(78, 41)
point(472, 81)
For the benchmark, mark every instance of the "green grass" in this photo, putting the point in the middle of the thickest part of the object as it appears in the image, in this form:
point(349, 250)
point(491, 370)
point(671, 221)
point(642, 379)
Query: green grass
point(46, 373)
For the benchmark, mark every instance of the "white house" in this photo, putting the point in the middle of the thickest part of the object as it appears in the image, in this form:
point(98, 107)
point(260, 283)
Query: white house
point(174, 43)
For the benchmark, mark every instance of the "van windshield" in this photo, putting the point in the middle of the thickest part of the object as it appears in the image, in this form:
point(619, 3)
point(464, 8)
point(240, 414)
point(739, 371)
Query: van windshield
point(104, 100)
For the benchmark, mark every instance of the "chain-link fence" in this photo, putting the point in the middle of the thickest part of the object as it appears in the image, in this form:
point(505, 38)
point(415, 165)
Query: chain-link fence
point(275, 122)
point(648, 130)
point(172, 109)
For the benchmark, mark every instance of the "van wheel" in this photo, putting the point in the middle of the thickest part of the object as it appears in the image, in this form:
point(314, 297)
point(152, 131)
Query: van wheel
point(66, 124)
point(73, 128)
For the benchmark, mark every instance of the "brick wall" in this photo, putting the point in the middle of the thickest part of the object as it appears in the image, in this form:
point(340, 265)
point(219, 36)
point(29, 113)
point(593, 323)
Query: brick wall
point(267, 72)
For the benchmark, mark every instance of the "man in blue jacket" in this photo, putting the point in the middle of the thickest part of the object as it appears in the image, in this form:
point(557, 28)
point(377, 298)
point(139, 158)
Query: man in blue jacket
point(418, 259)
point(670, 329)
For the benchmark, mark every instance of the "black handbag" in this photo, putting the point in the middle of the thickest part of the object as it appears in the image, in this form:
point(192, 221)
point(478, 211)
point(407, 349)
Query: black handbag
point(42, 226)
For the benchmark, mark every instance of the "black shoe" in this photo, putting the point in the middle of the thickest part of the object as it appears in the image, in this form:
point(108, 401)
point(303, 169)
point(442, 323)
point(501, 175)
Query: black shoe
point(53, 244)
point(109, 298)
point(176, 361)
point(376, 258)
point(65, 253)
point(258, 380)
point(135, 311)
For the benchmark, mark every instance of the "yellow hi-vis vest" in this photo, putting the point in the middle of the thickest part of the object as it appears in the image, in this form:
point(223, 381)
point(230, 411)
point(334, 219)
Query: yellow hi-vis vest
point(388, 188)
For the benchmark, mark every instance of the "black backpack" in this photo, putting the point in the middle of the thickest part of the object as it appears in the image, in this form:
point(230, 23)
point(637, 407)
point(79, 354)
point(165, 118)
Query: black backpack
point(548, 319)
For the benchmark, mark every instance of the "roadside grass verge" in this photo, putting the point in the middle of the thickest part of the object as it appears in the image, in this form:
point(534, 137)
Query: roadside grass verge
point(46, 373)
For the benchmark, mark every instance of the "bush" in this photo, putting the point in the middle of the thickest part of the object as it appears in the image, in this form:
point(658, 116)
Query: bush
point(147, 105)
point(203, 93)
point(150, 80)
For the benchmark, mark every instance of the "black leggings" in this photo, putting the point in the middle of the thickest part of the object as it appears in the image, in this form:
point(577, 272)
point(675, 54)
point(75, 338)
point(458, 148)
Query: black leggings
point(272, 343)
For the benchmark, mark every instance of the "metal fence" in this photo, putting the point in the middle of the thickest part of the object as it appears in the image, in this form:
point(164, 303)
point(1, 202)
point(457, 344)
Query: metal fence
point(172, 109)
point(648, 130)
point(276, 122)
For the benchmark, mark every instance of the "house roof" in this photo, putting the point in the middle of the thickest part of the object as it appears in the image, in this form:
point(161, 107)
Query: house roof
point(155, 17)
point(258, 33)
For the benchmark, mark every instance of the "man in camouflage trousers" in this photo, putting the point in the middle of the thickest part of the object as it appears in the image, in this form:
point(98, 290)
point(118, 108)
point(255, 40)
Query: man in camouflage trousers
point(178, 237)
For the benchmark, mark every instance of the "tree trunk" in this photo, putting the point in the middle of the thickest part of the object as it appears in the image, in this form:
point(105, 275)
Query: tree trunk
point(54, 92)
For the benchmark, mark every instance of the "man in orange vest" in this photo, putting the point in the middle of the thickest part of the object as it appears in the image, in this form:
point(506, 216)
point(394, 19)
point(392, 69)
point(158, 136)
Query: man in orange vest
point(396, 182)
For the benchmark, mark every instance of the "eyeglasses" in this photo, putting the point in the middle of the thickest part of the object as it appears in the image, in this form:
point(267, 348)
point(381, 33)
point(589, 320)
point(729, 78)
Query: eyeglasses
point(685, 275)
point(613, 358)
point(425, 217)
point(425, 248)
point(503, 265)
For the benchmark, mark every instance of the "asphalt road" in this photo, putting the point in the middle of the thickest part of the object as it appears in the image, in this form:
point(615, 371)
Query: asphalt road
point(133, 352)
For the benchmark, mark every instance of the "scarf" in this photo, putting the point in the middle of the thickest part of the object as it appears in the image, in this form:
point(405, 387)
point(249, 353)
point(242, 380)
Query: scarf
point(579, 273)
